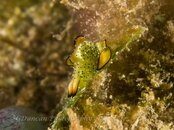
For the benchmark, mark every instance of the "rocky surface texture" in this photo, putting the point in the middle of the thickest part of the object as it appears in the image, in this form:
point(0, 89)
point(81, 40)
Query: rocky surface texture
point(135, 91)
point(32, 55)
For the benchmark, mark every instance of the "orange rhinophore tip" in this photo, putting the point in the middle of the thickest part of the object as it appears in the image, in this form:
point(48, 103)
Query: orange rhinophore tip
point(79, 39)
point(104, 57)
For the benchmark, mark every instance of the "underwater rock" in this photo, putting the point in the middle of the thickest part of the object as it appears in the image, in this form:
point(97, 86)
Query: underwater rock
point(135, 90)
point(19, 118)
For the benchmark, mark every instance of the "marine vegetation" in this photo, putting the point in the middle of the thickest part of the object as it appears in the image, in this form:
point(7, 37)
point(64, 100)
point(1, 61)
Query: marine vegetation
point(118, 74)
point(89, 59)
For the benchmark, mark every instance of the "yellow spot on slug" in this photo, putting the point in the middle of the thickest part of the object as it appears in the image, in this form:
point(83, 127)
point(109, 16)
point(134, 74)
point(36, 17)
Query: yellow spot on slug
point(70, 89)
point(104, 57)
point(79, 40)
point(73, 87)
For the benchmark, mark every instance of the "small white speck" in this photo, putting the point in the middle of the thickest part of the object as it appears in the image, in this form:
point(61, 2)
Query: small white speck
point(110, 97)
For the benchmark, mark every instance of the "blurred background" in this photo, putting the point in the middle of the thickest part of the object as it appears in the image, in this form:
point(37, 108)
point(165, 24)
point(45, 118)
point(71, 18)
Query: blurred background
point(36, 37)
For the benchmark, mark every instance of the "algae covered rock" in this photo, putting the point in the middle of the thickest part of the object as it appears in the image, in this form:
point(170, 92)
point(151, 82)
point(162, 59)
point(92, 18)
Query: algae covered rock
point(32, 53)
point(135, 90)
point(123, 71)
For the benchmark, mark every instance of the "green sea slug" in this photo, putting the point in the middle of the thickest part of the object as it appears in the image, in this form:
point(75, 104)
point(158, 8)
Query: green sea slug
point(88, 58)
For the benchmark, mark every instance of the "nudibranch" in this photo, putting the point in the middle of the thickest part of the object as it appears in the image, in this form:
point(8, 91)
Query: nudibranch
point(87, 59)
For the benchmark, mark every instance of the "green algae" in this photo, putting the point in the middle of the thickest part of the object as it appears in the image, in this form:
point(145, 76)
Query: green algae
point(72, 101)
point(136, 86)
point(133, 91)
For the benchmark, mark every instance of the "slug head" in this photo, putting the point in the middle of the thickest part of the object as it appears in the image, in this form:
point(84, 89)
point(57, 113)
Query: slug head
point(85, 54)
